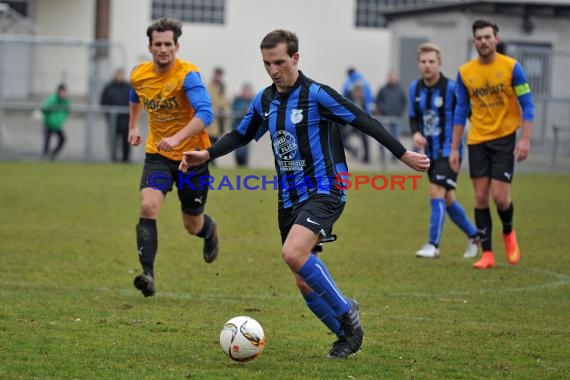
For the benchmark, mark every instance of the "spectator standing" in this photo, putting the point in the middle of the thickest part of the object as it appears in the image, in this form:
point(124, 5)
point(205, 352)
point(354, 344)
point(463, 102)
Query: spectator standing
point(240, 106)
point(220, 104)
point(357, 95)
point(391, 104)
point(55, 110)
point(357, 89)
point(116, 93)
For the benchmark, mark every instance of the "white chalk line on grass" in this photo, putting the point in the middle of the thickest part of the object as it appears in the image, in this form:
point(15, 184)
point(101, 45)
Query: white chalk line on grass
point(487, 324)
point(559, 280)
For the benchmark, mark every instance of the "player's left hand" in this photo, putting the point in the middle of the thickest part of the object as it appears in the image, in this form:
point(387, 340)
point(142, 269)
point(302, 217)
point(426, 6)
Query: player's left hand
point(419, 140)
point(416, 161)
point(167, 143)
point(522, 149)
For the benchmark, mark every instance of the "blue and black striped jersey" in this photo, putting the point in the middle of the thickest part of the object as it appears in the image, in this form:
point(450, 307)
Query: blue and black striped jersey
point(303, 125)
point(431, 113)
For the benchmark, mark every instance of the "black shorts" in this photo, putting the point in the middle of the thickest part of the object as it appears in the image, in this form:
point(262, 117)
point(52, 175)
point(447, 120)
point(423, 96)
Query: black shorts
point(494, 159)
point(440, 173)
point(162, 173)
point(318, 214)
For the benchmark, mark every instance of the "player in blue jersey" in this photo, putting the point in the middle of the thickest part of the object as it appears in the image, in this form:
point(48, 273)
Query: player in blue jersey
point(302, 118)
point(432, 103)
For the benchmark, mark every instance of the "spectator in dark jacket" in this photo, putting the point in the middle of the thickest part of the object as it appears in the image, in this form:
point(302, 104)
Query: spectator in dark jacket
point(116, 93)
point(357, 89)
point(240, 105)
point(390, 105)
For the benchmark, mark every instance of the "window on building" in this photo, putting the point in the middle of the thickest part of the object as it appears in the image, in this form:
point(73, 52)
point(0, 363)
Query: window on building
point(194, 11)
point(19, 6)
point(369, 13)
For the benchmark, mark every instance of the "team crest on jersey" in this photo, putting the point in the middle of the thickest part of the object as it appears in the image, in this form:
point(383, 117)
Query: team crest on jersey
point(431, 123)
point(296, 116)
point(285, 148)
point(284, 145)
point(438, 102)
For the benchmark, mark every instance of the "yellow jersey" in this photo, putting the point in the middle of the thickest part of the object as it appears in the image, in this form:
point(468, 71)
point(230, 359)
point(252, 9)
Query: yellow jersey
point(492, 90)
point(171, 100)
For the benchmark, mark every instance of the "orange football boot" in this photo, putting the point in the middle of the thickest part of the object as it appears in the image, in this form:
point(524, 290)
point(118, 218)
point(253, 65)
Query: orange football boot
point(487, 261)
point(512, 251)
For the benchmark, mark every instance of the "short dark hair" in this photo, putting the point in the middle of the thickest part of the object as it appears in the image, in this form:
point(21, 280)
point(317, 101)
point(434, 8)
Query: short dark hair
point(279, 36)
point(484, 23)
point(163, 25)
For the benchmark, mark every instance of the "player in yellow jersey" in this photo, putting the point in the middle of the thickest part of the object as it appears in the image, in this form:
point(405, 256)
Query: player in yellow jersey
point(179, 108)
point(494, 88)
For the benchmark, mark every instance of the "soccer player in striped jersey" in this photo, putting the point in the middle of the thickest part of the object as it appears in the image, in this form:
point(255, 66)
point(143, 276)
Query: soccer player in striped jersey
point(179, 108)
point(493, 88)
point(432, 102)
point(302, 118)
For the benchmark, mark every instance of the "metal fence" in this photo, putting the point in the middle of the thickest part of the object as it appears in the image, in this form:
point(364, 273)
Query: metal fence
point(35, 65)
point(31, 67)
point(547, 73)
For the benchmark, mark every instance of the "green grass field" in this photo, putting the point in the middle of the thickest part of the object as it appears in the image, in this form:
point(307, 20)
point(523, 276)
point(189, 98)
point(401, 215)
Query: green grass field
point(69, 310)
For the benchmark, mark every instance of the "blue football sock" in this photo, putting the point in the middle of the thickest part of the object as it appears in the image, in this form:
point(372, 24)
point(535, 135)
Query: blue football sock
point(459, 217)
point(315, 273)
point(323, 312)
point(437, 219)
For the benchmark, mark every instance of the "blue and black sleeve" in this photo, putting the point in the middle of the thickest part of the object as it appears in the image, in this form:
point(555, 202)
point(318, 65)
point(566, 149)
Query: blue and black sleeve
point(339, 109)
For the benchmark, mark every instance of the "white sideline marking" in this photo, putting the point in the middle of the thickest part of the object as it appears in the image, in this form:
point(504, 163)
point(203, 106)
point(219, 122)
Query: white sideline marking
point(498, 325)
point(559, 280)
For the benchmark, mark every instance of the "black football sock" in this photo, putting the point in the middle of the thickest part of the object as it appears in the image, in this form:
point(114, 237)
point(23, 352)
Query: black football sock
point(147, 243)
point(207, 228)
point(485, 226)
point(507, 218)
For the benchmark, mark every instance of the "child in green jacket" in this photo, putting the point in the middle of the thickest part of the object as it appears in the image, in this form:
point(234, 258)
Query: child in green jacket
point(55, 111)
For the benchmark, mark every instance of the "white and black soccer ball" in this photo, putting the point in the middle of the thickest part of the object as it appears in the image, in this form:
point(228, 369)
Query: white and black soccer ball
point(242, 338)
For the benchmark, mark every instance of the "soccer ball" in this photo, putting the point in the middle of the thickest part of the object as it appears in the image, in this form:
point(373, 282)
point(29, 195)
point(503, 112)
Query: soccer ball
point(242, 339)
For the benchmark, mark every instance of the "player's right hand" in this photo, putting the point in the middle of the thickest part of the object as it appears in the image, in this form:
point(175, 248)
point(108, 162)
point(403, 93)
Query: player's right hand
point(417, 161)
point(134, 137)
point(193, 158)
point(454, 160)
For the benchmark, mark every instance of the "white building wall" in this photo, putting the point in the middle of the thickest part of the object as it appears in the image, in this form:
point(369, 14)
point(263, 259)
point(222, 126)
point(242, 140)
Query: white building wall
point(70, 19)
point(329, 42)
point(452, 32)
